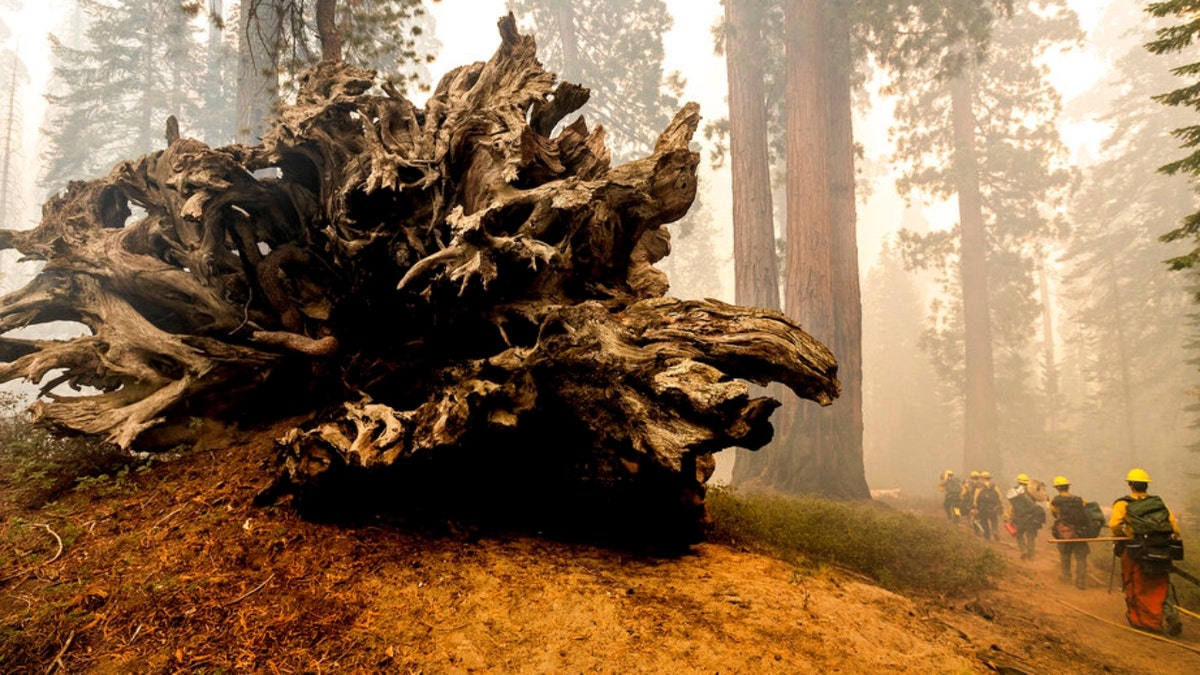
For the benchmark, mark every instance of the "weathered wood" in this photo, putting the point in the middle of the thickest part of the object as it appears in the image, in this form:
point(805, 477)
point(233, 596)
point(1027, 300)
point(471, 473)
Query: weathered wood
point(455, 297)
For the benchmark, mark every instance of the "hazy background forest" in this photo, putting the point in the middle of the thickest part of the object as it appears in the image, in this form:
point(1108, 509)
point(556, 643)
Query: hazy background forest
point(1089, 363)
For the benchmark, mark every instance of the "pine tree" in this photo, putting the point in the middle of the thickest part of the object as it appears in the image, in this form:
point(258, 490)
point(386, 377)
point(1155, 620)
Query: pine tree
point(1125, 305)
point(277, 40)
point(1171, 40)
point(13, 78)
point(1002, 157)
point(614, 48)
point(115, 92)
point(393, 37)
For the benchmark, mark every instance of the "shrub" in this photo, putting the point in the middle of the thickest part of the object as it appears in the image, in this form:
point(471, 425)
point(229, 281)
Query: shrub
point(37, 467)
point(898, 550)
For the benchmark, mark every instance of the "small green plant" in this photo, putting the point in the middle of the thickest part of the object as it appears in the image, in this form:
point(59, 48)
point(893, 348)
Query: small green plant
point(899, 550)
point(37, 467)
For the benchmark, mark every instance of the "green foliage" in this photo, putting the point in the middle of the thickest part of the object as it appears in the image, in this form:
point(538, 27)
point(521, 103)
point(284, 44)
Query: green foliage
point(1171, 40)
point(1125, 337)
point(1021, 169)
point(899, 550)
point(37, 467)
point(393, 37)
point(1177, 39)
point(113, 90)
point(614, 48)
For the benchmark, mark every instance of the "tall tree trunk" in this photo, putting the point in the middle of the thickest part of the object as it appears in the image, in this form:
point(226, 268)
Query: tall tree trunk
point(564, 12)
point(756, 271)
point(258, 56)
point(1124, 367)
point(327, 30)
point(10, 130)
point(801, 464)
point(1051, 362)
point(979, 415)
point(149, 64)
point(214, 74)
point(846, 477)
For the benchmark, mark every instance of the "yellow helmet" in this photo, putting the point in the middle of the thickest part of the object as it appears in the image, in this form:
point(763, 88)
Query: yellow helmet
point(949, 472)
point(985, 474)
point(974, 474)
point(1060, 481)
point(1137, 476)
point(1022, 479)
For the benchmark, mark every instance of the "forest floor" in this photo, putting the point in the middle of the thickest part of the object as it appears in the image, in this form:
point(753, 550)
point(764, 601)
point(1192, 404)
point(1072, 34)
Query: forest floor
point(174, 570)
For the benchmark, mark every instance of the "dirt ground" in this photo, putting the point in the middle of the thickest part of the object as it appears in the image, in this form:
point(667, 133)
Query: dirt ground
point(175, 570)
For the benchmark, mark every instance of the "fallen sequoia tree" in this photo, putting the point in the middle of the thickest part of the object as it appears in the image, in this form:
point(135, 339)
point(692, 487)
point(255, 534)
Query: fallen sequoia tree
point(459, 302)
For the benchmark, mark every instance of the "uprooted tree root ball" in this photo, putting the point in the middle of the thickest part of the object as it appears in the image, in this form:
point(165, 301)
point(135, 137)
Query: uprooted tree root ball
point(461, 296)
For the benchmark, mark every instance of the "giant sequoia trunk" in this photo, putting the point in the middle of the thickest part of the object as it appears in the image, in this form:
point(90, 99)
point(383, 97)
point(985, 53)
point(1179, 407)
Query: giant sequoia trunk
point(463, 307)
point(756, 271)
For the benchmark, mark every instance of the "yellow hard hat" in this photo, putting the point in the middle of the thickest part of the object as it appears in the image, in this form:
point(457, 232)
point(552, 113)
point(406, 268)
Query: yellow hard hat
point(986, 474)
point(1137, 476)
point(1060, 481)
point(949, 472)
point(974, 474)
point(1022, 479)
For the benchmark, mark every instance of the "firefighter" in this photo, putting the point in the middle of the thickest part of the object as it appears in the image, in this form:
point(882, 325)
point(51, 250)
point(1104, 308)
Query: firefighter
point(1146, 558)
point(1070, 522)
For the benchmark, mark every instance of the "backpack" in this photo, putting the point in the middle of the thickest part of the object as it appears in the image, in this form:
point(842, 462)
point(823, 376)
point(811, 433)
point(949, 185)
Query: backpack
point(1073, 521)
point(1147, 516)
point(988, 500)
point(953, 486)
point(1151, 546)
point(1096, 519)
point(1026, 513)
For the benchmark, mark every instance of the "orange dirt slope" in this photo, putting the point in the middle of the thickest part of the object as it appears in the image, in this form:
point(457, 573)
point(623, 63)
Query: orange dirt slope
point(174, 570)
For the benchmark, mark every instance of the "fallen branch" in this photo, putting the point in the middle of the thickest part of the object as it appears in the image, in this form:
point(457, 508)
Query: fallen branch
point(56, 538)
point(27, 570)
point(58, 658)
point(1001, 661)
point(160, 521)
point(250, 592)
point(961, 633)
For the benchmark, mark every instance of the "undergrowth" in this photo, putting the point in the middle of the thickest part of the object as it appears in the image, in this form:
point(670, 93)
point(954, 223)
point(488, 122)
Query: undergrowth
point(37, 467)
point(898, 550)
